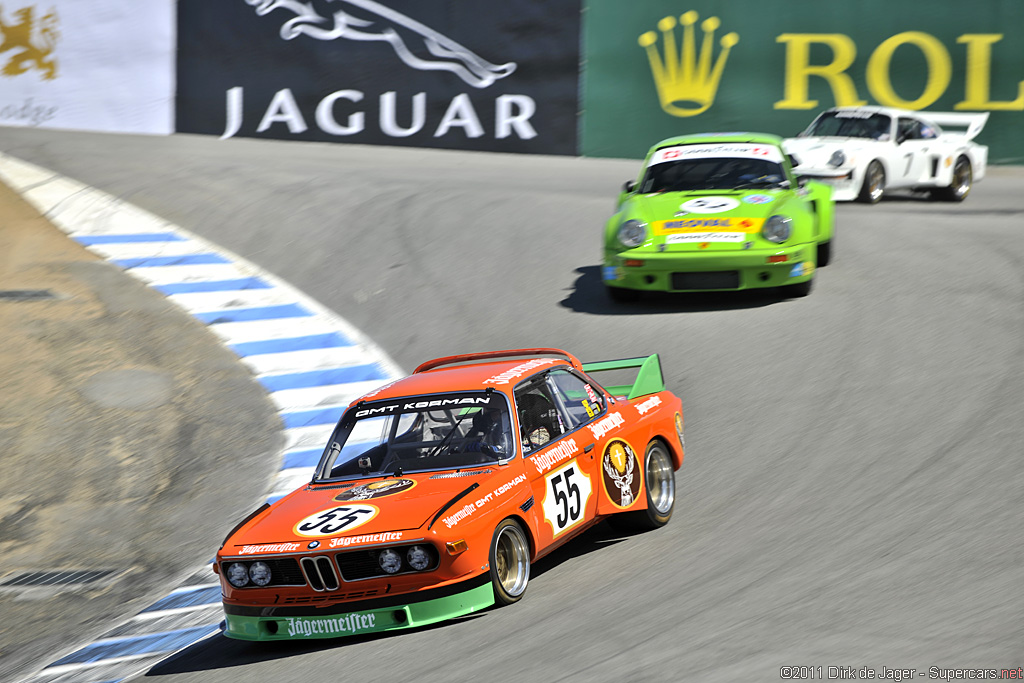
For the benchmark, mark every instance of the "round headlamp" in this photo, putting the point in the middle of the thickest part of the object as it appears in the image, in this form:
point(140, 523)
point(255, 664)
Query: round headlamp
point(389, 561)
point(418, 558)
point(837, 159)
point(632, 233)
point(259, 573)
point(238, 575)
point(777, 229)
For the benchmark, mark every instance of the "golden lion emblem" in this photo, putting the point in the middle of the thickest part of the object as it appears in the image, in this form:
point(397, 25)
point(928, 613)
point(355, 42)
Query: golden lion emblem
point(28, 53)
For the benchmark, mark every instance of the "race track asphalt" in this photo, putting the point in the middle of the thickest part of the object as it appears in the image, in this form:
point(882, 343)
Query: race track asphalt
point(851, 495)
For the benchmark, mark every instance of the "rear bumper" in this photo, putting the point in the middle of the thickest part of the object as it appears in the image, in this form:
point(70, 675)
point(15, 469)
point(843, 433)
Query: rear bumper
point(721, 271)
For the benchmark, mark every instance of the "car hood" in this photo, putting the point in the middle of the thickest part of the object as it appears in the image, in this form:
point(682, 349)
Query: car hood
point(814, 152)
point(329, 513)
point(683, 221)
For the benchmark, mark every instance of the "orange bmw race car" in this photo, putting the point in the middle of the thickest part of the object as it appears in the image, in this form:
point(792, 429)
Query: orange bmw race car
point(436, 492)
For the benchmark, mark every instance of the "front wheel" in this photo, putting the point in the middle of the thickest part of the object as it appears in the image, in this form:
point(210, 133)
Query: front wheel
point(959, 184)
point(621, 295)
point(873, 187)
point(510, 562)
point(660, 483)
point(824, 254)
point(800, 289)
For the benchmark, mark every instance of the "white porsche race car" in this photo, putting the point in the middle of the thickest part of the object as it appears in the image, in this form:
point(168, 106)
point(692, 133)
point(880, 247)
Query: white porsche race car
point(863, 152)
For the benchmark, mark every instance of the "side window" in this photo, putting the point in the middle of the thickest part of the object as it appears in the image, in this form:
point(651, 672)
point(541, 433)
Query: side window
point(577, 401)
point(539, 421)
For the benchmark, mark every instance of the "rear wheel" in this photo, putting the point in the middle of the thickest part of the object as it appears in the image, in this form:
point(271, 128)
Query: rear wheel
point(510, 562)
point(660, 484)
point(873, 186)
point(959, 184)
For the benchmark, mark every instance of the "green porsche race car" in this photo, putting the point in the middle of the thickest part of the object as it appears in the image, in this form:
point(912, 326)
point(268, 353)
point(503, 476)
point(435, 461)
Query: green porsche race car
point(717, 211)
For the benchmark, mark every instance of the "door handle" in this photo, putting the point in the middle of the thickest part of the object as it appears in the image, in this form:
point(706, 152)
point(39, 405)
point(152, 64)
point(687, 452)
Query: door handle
point(587, 449)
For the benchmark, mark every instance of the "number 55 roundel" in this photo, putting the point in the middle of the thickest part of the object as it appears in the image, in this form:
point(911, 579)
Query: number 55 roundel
point(565, 497)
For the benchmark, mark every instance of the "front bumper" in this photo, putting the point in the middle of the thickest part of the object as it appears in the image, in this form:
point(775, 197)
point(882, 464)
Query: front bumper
point(710, 271)
point(845, 183)
point(364, 618)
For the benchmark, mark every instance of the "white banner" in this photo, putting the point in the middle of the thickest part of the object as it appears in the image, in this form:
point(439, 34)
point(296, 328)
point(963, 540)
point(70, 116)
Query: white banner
point(98, 65)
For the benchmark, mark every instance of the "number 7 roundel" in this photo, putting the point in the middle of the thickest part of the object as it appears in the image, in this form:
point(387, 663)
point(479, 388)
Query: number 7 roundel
point(566, 493)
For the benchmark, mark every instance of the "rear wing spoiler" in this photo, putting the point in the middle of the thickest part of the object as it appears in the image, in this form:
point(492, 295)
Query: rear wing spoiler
point(967, 125)
point(649, 379)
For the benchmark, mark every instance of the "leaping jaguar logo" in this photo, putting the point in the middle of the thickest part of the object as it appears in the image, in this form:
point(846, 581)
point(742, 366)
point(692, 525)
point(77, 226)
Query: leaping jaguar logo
point(28, 53)
point(375, 22)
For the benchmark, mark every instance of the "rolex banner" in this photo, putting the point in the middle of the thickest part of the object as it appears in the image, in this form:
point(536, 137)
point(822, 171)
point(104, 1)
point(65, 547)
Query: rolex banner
point(495, 76)
point(658, 68)
point(101, 65)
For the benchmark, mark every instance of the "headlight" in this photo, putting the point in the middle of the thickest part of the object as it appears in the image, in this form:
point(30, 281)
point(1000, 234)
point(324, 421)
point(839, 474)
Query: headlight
point(389, 561)
point(777, 229)
point(259, 572)
point(632, 233)
point(238, 575)
point(837, 159)
point(418, 558)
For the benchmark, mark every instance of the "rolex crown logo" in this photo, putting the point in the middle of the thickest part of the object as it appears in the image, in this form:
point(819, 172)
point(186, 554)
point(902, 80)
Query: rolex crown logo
point(686, 82)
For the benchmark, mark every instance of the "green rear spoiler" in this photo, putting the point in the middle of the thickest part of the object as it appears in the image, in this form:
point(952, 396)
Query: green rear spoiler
point(649, 379)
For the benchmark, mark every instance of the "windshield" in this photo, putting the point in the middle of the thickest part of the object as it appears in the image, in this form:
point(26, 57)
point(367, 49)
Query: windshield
point(439, 431)
point(852, 124)
point(719, 173)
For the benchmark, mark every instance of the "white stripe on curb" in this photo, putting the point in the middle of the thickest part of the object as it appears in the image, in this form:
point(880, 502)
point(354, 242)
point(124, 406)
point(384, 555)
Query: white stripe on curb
point(311, 362)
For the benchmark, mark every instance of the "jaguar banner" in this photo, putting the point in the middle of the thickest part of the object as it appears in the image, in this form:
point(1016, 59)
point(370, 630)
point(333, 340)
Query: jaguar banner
point(101, 65)
point(424, 73)
point(658, 68)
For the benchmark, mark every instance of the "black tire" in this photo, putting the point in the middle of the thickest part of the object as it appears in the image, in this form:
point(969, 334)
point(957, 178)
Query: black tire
point(873, 186)
point(960, 184)
point(824, 254)
point(660, 485)
point(510, 562)
point(798, 290)
point(621, 295)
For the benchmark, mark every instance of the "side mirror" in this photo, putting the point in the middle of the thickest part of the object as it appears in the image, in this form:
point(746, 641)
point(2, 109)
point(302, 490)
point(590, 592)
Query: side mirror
point(628, 186)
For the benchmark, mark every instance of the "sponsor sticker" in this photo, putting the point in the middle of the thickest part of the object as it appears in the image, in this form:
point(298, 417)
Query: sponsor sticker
point(686, 237)
point(548, 458)
point(327, 626)
point(758, 199)
point(607, 424)
point(621, 475)
point(804, 268)
point(650, 404)
point(722, 224)
point(716, 151)
point(346, 541)
point(269, 548)
point(612, 273)
point(518, 371)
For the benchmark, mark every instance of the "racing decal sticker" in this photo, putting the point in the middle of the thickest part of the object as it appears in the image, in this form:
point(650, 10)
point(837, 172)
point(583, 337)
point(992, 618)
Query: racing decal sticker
point(612, 273)
point(546, 459)
point(566, 493)
point(731, 224)
point(621, 476)
point(345, 541)
point(804, 268)
point(519, 371)
point(269, 548)
point(340, 625)
point(646, 406)
point(607, 424)
point(709, 205)
point(758, 199)
point(375, 489)
point(705, 237)
point(335, 520)
point(715, 151)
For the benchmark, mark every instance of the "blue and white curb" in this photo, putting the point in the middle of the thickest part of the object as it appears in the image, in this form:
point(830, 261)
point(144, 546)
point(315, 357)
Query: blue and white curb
point(311, 362)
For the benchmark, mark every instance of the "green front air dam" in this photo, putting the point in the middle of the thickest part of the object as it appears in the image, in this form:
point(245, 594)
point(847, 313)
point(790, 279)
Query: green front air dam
point(357, 623)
